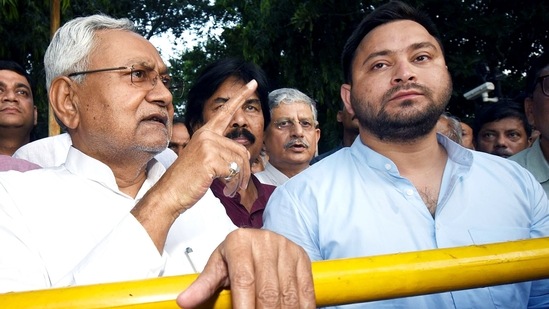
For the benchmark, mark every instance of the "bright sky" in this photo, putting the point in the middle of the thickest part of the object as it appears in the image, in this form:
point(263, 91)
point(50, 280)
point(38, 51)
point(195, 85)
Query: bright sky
point(165, 44)
point(167, 48)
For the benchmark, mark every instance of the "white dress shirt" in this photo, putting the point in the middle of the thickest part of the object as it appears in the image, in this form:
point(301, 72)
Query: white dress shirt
point(271, 175)
point(70, 225)
point(52, 151)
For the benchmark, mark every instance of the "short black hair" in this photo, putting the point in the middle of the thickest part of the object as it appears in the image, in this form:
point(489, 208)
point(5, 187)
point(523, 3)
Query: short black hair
point(537, 64)
point(11, 65)
point(211, 79)
point(386, 13)
point(504, 108)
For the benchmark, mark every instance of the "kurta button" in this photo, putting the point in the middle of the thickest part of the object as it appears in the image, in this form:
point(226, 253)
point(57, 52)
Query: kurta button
point(410, 192)
point(387, 166)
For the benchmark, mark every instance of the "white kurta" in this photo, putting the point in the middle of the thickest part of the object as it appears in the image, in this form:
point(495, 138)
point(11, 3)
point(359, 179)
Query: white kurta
point(52, 151)
point(71, 225)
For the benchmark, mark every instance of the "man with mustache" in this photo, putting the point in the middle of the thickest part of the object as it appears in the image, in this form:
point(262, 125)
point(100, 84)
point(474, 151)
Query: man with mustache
point(402, 186)
point(216, 85)
point(112, 212)
point(502, 129)
point(291, 137)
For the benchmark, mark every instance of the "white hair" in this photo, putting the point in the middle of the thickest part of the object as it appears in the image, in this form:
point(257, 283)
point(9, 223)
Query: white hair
point(73, 43)
point(290, 96)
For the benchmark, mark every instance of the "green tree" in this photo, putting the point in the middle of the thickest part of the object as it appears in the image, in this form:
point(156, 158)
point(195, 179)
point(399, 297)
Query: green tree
point(25, 30)
point(299, 43)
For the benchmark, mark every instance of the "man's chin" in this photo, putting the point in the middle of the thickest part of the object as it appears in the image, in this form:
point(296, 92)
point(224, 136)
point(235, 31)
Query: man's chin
point(154, 148)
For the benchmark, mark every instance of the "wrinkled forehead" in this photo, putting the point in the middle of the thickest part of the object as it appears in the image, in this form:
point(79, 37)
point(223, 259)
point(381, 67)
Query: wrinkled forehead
point(125, 48)
point(297, 109)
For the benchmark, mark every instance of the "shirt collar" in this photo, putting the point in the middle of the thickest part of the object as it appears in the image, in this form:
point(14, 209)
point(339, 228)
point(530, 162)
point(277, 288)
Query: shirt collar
point(83, 165)
point(366, 155)
point(536, 163)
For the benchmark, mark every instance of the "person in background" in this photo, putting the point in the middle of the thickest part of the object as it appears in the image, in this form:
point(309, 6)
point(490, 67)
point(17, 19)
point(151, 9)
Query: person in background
point(18, 114)
point(450, 126)
point(180, 136)
point(502, 129)
point(534, 136)
point(291, 136)
point(467, 136)
point(258, 164)
point(349, 124)
point(112, 212)
point(401, 186)
point(536, 104)
point(215, 86)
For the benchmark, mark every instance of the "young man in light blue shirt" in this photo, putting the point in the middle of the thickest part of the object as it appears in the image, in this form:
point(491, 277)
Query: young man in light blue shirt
point(401, 186)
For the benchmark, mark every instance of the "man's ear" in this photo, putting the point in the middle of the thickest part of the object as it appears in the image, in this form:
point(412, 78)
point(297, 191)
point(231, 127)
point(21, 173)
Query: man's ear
point(529, 110)
point(63, 101)
point(345, 93)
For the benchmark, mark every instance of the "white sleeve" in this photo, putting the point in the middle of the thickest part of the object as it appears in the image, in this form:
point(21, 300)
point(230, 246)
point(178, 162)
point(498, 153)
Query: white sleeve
point(64, 255)
point(127, 253)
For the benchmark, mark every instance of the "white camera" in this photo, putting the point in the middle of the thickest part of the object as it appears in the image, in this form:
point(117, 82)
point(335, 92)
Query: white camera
point(481, 91)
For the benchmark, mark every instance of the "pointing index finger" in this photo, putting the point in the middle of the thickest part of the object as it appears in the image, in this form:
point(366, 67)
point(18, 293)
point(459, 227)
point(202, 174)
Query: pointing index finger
point(220, 120)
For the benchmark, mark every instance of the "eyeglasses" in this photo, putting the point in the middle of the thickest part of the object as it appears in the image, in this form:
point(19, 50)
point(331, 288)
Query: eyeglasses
point(143, 77)
point(287, 124)
point(544, 81)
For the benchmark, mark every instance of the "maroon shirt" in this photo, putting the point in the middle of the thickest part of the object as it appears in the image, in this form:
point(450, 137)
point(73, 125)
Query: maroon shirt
point(236, 211)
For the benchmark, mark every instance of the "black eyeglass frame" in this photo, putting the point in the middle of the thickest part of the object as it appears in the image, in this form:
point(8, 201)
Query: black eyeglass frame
point(175, 89)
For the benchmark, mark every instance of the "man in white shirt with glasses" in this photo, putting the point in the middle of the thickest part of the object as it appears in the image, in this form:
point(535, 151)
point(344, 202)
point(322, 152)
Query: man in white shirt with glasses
point(112, 212)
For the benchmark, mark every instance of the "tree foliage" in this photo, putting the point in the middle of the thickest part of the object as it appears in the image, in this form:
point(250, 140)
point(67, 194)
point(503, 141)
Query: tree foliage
point(298, 43)
point(25, 29)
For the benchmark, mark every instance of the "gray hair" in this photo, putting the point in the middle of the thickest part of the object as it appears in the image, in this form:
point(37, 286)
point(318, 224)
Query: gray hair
point(290, 96)
point(454, 132)
point(73, 43)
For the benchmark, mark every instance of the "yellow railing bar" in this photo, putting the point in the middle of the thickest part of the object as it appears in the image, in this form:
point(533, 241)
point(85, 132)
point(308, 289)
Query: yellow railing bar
point(336, 282)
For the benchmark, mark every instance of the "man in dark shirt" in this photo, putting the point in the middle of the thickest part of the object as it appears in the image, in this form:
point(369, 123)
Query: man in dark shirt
point(214, 87)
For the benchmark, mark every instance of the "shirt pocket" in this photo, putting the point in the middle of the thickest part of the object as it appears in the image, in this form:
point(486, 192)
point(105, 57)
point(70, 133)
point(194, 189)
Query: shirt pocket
point(508, 296)
point(481, 236)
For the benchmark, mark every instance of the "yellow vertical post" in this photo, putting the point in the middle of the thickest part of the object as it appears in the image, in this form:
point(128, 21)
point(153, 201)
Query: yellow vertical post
point(55, 20)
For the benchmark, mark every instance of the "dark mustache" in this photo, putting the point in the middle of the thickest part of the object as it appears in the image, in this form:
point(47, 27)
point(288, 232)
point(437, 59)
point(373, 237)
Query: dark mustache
point(400, 87)
point(241, 132)
point(296, 140)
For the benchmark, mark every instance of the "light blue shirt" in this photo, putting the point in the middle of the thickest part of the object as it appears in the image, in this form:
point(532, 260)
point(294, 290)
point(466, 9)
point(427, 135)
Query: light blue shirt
point(354, 203)
point(533, 160)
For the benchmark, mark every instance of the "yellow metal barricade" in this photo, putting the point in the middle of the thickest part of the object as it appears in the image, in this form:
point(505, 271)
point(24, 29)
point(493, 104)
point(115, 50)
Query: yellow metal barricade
point(336, 282)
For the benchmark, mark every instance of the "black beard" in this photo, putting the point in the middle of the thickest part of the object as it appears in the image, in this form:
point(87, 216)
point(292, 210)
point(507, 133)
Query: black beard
point(401, 128)
point(238, 132)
